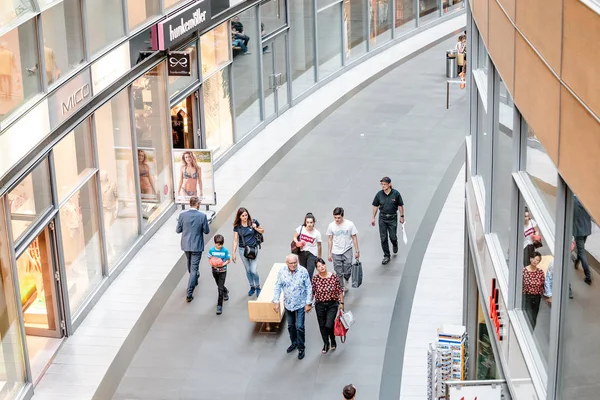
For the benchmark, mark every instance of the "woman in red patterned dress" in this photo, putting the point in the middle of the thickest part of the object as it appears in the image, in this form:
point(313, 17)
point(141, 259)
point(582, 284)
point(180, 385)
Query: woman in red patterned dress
point(533, 288)
point(328, 299)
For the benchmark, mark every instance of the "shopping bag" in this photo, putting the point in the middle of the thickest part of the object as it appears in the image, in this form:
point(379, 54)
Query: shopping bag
point(338, 328)
point(357, 274)
point(404, 238)
point(347, 319)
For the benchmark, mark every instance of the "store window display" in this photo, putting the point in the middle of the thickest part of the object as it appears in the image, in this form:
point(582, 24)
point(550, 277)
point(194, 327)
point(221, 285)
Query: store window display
point(428, 10)
point(179, 83)
point(105, 23)
point(215, 49)
point(355, 41)
point(218, 116)
point(30, 199)
point(182, 124)
point(139, 11)
point(19, 75)
point(329, 40)
point(73, 159)
point(153, 143)
point(246, 75)
point(302, 45)
point(380, 16)
point(12, 362)
point(117, 179)
point(63, 39)
point(405, 15)
point(81, 244)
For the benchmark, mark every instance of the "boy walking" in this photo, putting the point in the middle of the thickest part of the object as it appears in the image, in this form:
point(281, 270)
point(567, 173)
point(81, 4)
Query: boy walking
point(218, 258)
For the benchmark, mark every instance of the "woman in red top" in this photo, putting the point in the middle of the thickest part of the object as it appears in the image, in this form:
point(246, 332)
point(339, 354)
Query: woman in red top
point(533, 288)
point(328, 298)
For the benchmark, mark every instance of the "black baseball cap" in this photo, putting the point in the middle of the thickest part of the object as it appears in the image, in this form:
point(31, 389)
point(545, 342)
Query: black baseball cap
point(386, 179)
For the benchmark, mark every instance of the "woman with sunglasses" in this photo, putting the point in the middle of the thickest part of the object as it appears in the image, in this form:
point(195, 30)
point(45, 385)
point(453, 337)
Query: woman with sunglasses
point(328, 299)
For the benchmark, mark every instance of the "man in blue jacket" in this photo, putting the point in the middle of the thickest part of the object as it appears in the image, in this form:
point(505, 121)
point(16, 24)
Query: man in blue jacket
point(193, 225)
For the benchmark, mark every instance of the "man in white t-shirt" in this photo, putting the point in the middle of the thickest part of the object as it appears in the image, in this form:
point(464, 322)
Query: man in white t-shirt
point(342, 235)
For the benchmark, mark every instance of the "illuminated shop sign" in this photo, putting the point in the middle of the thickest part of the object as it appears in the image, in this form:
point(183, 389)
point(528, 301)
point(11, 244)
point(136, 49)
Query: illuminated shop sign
point(184, 23)
point(495, 312)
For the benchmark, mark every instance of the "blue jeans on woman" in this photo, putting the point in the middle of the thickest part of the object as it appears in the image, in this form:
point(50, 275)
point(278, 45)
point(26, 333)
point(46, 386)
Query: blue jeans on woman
point(251, 269)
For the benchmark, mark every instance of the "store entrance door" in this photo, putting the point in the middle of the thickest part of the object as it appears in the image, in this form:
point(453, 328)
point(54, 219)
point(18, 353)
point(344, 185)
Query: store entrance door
point(41, 299)
point(182, 123)
point(275, 76)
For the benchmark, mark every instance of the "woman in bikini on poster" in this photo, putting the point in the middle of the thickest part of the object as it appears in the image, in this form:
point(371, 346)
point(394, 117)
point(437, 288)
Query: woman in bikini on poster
point(146, 181)
point(190, 177)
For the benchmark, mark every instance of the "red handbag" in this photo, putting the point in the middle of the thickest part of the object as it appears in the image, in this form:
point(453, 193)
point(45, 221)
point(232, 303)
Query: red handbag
point(339, 329)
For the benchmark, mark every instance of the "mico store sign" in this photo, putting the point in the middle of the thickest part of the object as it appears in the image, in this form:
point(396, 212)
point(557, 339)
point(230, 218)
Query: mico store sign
point(184, 23)
point(69, 97)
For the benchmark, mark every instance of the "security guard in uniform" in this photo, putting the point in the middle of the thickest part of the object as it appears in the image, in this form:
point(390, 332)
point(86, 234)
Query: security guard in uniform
point(388, 201)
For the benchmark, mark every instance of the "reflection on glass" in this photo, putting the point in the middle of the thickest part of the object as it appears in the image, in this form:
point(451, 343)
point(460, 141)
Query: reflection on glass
point(179, 83)
point(11, 10)
point(405, 15)
point(380, 16)
point(483, 142)
point(105, 20)
point(244, 36)
point(218, 112)
point(542, 172)
point(73, 159)
point(272, 16)
point(269, 81)
point(19, 75)
point(154, 147)
point(536, 283)
point(355, 41)
point(63, 39)
point(502, 163)
point(486, 362)
point(12, 363)
point(579, 368)
point(215, 50)
point(29, 199)
point(428, 10)
point(81, 244)
point(453, 5)
point(302, 48)
point(117, 180)
point(139, 11)
point(329, 40)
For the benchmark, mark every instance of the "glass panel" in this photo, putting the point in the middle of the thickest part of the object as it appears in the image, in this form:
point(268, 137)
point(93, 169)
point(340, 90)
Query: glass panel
point(172, 3)
point(380, 16)
point(105, 23)
point(428, 10)
point(215, 51)
point(154, 146)
point(272, 16)
point(483, 142)
point(453, 5)
point(536, 282)
point(115, 157)
point(542, 172)
point(268, 81)
point(11, 10)
point(486, 362)
point(179, 83)
point(405, 15)
point(30, 199)
point(355, 40)
point(19, 75)
point(325, 3)
point(139, 11)
point(579, 365)
point(218, 116)
point(281, 71)
point(81, 244)
point(73, 159)
point(329, 23)
point(12, 362)
point(302, 45)
point(246, 74)
point(482, 57)
point(502, 168)
point(63, 39)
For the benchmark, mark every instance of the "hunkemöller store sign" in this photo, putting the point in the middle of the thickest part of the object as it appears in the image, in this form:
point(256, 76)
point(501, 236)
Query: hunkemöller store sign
point(178, 26)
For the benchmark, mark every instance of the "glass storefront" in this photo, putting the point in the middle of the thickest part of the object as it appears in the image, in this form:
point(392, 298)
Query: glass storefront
point(380, 18)
point(355, 28)
point(218, 113)
point(302, 38)
point(329, 40)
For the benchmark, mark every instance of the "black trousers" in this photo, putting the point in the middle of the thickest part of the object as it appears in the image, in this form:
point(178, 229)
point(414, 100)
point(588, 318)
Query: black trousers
point(388, 226)
point(531, 306)
point(308, 260)
point(220, 281)
point(326, 314)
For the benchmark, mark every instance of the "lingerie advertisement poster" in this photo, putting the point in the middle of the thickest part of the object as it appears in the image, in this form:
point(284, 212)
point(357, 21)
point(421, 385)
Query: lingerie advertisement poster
point(147, 170)
point(193, 176)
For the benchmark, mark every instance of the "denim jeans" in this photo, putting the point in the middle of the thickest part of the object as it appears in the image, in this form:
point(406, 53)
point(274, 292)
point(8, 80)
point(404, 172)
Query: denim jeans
point(295, 321)
point(193, 263)
point(251, 269)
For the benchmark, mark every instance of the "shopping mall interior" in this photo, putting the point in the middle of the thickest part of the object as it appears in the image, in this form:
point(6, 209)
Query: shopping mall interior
point(114, 114)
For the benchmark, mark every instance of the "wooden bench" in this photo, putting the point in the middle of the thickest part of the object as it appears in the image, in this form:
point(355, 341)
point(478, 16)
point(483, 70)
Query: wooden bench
point(261, 309)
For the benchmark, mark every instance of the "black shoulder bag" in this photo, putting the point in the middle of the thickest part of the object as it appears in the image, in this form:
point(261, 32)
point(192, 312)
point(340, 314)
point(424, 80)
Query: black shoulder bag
point(250, 252)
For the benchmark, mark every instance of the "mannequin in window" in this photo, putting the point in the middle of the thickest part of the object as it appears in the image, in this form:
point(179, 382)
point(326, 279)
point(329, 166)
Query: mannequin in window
point(190, 177)
point(52, 71)
point(8, 69)
point(110, 196)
